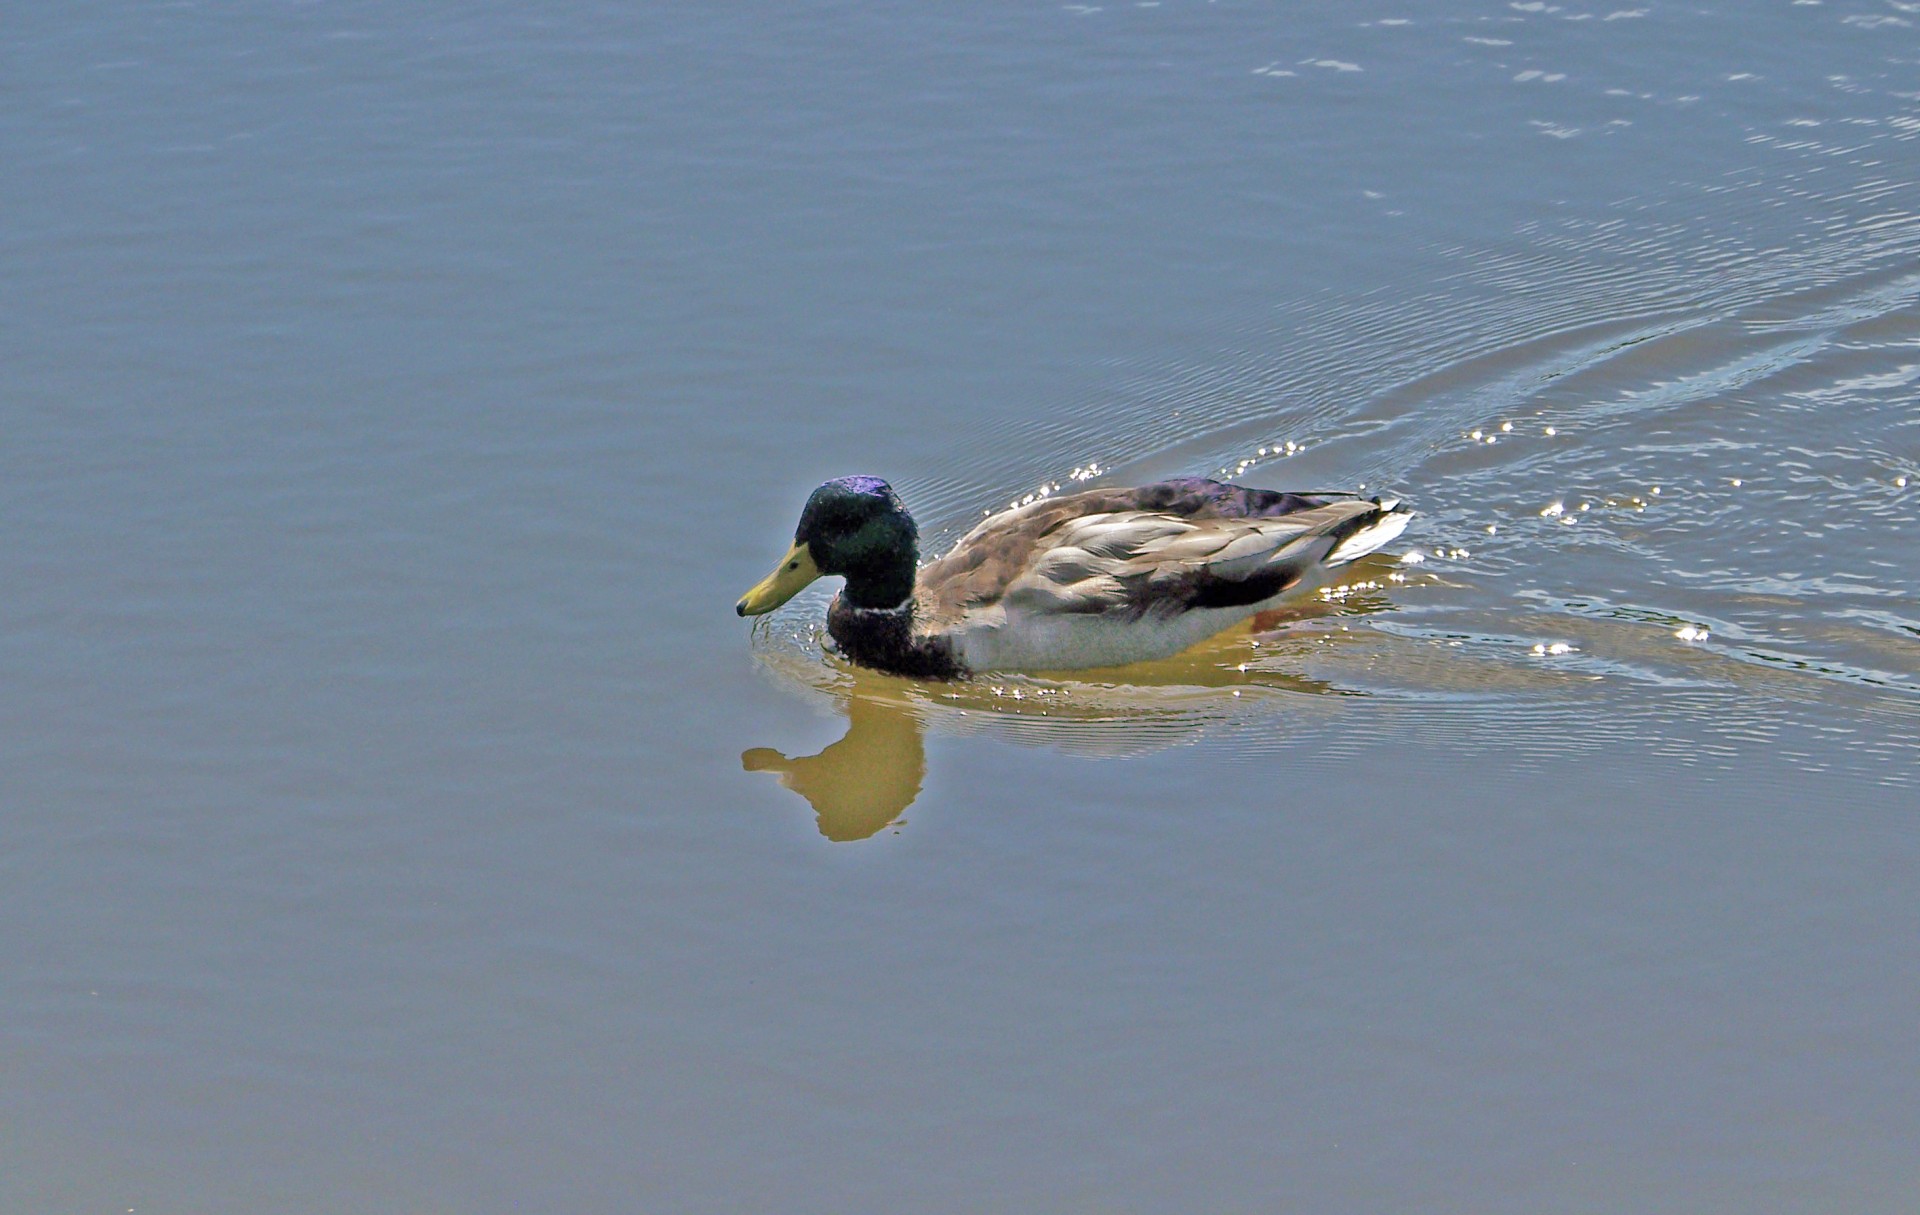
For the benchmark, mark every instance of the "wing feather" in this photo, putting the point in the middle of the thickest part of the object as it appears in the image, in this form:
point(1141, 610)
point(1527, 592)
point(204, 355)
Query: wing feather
point(1099, 551)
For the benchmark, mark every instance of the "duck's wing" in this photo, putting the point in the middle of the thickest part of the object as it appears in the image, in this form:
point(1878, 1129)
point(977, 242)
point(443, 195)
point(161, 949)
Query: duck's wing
point(1135, 562)
point(986, 561)
point(1138, 563)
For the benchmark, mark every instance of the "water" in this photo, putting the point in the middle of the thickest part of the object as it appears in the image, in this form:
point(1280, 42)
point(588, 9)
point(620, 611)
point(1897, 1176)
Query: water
point(397, 816)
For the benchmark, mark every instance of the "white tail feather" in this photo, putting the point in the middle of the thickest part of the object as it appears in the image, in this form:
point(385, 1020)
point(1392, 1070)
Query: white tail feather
point(1374, 536)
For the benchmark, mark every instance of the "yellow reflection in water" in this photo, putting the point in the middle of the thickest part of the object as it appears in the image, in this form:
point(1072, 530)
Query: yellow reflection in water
point(863, 783)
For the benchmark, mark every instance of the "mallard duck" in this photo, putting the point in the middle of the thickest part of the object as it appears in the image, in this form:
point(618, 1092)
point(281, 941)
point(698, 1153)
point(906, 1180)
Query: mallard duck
point(1098, 578)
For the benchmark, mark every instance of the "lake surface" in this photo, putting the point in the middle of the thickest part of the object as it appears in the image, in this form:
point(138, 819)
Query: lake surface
point(395, 816)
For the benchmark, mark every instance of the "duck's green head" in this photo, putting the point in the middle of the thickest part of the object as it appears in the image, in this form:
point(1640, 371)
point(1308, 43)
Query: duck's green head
point(855, 527)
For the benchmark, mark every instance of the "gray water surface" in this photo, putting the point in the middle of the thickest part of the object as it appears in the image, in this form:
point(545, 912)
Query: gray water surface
point(394, 815)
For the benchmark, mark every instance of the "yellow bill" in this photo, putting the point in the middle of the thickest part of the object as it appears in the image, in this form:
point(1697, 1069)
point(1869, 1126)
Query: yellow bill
point(788, 579)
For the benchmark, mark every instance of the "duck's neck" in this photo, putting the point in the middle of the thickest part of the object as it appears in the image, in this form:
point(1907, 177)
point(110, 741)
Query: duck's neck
point(885, 639)
point(881, 579)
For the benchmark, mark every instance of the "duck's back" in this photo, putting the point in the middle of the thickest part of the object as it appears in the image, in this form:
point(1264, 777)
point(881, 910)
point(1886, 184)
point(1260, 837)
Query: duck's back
point(988, 560)
point(1104, 577)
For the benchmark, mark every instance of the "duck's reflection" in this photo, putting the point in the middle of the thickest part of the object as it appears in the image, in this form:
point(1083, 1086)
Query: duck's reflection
point(863, 783)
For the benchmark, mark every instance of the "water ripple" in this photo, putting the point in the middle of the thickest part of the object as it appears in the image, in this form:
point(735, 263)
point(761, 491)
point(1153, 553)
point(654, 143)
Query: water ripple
point(1663, 460)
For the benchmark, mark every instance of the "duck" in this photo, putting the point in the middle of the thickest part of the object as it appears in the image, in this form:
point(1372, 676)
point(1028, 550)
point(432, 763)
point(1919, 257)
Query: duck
point(1094, 578)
